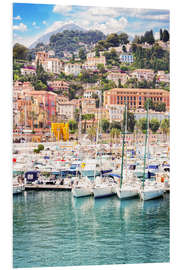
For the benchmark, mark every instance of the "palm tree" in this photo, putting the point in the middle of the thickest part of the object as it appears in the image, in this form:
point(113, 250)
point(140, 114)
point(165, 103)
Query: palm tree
point(165, 127)
point(91, 133)
point(115, 133)
point(33, 116)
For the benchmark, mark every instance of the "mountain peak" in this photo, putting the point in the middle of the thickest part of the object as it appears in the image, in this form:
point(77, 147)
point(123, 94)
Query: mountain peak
point(45, 38)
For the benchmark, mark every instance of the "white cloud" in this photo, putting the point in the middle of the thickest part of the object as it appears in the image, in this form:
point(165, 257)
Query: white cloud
point(34, 24)
point(61, 9)
point(44, 22)
point(17, 18)
point(111, 25)
point(21, 27)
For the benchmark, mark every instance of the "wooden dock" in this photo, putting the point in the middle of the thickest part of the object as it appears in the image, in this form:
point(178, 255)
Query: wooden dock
point(47, 187)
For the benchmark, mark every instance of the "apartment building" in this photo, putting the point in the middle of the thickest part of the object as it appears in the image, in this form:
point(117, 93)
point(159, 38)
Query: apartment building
point(135, 97)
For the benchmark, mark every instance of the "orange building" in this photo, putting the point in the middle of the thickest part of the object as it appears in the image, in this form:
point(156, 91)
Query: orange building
point(135, 97)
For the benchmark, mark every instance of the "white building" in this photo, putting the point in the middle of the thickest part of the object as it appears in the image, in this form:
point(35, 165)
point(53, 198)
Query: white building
point(152, 114)
point(28, 71)
point(73, 69)
point(53, 65)
point(126, 58)
point(115, 112)
point(89, 93)
point(116, 76)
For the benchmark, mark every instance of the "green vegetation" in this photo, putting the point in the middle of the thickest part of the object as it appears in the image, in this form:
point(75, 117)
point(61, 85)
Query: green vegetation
point(155, 106)
point(88, 116)
point(154, 58)
point(130, 121)
point(73, 126)
point(147, 37)
point(39, 149)
point(82, 54)
point(105, 125)
point(112, 40)
point(71, 39)
point(20, 52)
point(154, 125)
point(112, 58)
point(164, 35)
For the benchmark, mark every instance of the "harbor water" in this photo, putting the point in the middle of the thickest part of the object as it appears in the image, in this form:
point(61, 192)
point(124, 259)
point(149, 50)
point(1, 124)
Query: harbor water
point(51, 228)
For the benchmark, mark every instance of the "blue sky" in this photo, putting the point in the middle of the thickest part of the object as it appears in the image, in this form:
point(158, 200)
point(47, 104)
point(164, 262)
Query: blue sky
point(30, 21)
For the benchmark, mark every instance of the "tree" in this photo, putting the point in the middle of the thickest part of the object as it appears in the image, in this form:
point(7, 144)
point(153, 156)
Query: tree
point(82, 54)
point(112, 40)
point(161, 34)
point(130, 122)
point(73, 126)
point(149, 37)
point(20, 51)
point(165, 126)
point(123, 38)
point(115, 124)
point(154, 125)
point(142, 124)
point(101, 68)
point(165, 36)
point(105, 125)
point(151, 105)
point(114, 133)
point(92, 133)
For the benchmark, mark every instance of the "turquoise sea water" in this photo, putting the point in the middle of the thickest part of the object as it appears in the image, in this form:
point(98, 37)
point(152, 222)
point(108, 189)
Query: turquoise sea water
point(51, 228)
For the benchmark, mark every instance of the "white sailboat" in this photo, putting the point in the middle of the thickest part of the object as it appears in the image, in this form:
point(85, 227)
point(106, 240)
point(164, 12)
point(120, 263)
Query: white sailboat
point(104, 187)
point(149, 190)
point(130, 188)
point(82, 187)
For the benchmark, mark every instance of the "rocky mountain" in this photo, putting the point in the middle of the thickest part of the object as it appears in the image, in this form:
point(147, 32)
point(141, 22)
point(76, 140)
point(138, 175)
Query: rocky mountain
point(45, 38)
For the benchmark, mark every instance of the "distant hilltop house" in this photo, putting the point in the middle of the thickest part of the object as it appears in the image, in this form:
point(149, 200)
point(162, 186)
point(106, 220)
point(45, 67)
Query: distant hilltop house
point(118, 77)
point(73, 69)
point(89, 93)
point(119, 49)
point(92, 62)
point(126, 58)
point(143, 74)
point(93, 54)
point(58, 85)
point(28, 71)
point(163, 77)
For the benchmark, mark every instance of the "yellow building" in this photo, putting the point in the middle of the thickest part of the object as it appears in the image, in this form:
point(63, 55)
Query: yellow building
point(60, 131)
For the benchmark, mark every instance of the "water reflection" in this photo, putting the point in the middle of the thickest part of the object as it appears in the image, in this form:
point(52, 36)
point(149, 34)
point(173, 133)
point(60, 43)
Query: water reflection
point(56, 229)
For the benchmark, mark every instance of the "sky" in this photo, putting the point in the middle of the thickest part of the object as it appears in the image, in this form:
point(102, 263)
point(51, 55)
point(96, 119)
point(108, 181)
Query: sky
point(31, 21)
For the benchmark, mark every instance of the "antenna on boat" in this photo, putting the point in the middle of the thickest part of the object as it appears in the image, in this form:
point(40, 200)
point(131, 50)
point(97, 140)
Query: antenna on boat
point(146, 139)
point(122, 160)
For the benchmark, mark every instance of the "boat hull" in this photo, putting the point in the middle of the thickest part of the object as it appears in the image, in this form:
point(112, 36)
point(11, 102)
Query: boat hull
point(101, 192)
point(126, 193)
point(151, 194)
point(81, 192)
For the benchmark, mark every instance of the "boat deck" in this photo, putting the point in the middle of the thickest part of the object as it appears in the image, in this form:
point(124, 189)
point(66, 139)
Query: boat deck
point(47, 187)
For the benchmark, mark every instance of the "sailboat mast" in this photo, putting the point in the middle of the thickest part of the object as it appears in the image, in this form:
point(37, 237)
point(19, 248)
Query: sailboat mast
point(122, 160)
point(146, 142)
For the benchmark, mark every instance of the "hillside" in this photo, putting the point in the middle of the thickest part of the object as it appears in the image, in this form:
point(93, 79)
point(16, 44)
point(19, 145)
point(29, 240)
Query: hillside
point(71, 41)
point(45, 38)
